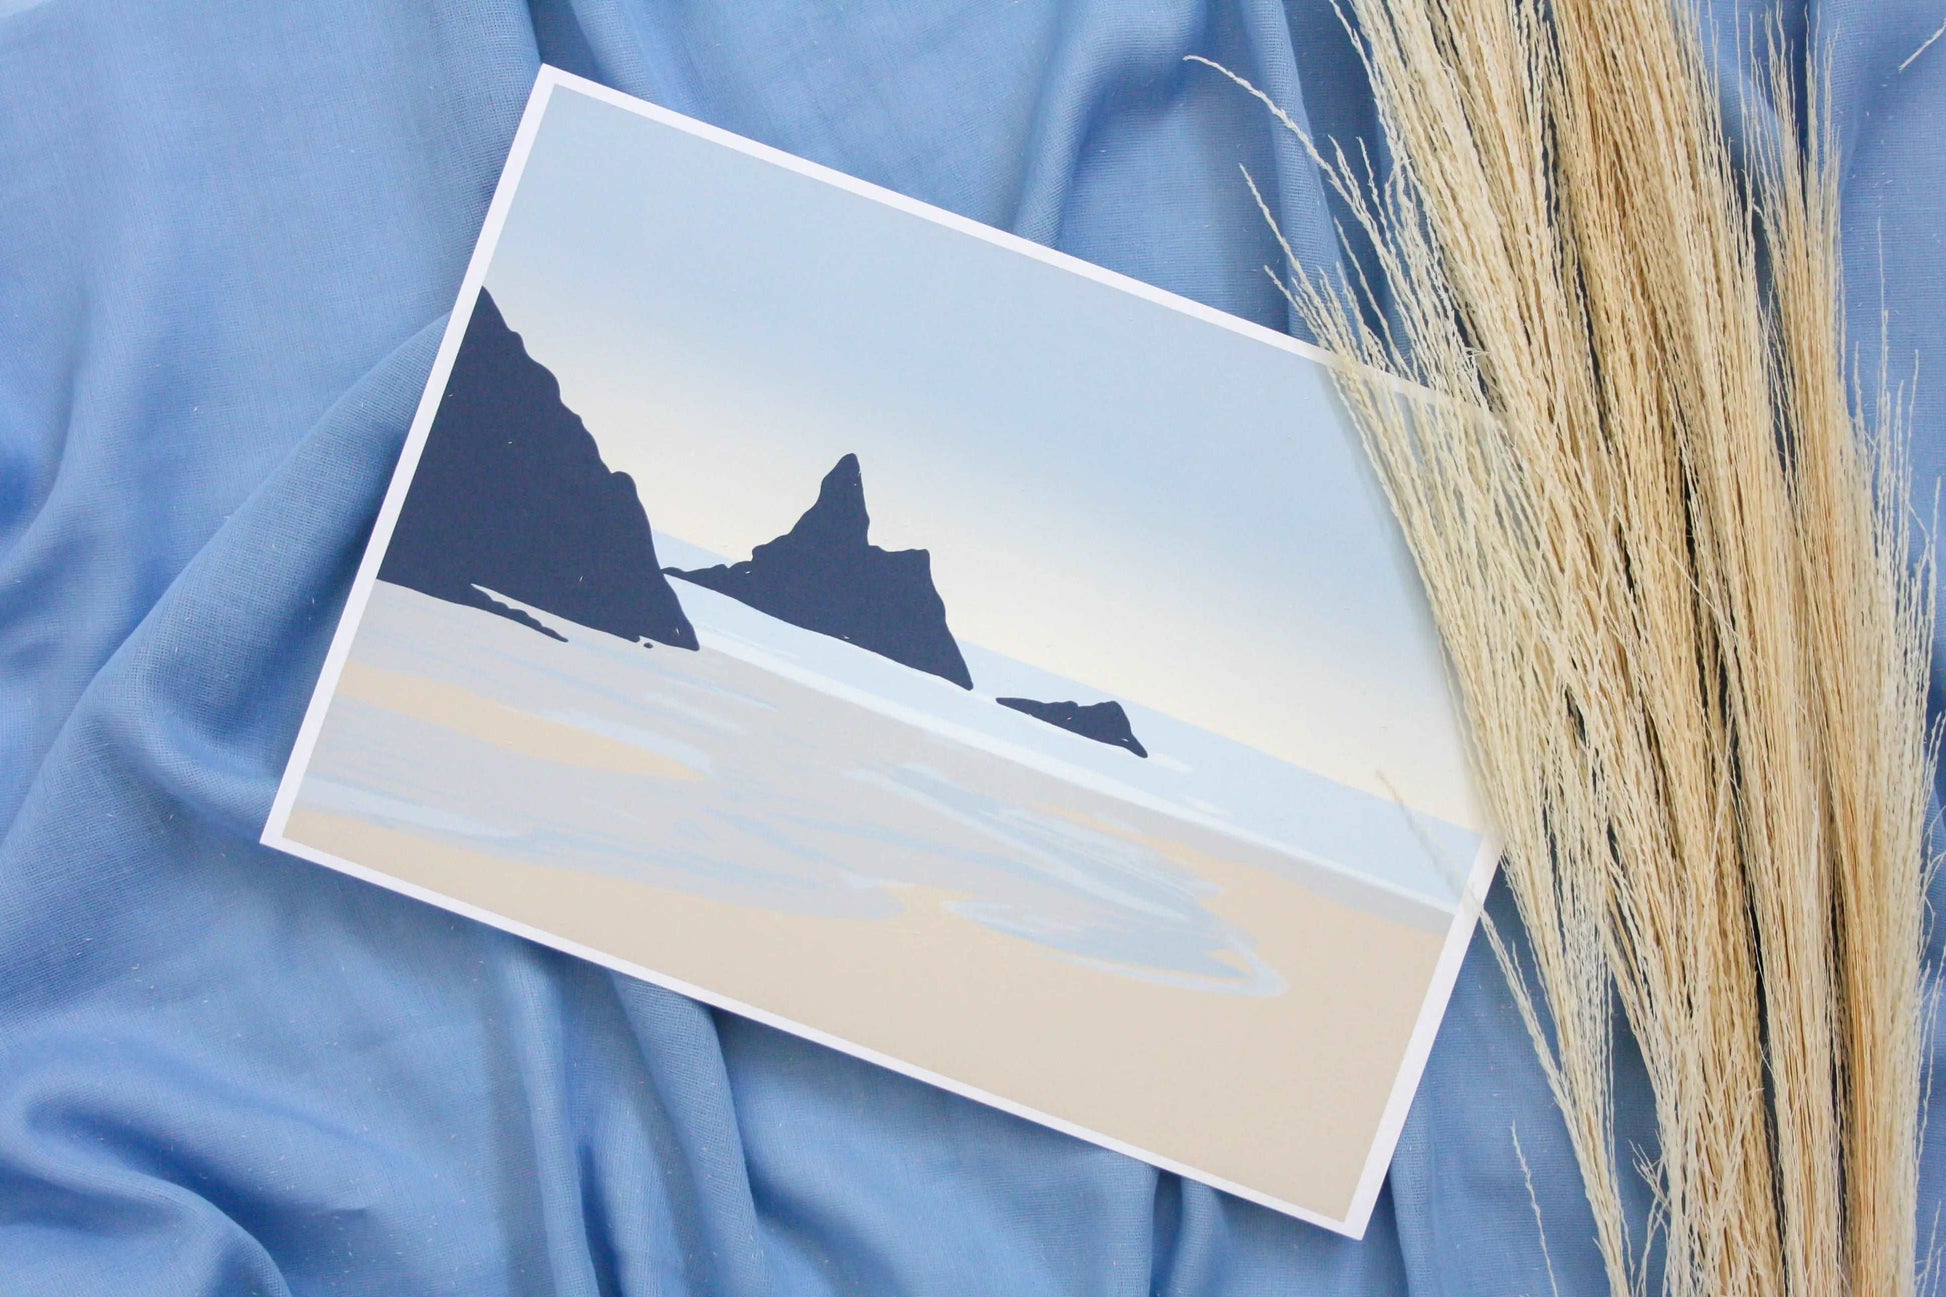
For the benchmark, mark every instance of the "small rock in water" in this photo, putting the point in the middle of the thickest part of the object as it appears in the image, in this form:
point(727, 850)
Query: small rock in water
point(1102, 722)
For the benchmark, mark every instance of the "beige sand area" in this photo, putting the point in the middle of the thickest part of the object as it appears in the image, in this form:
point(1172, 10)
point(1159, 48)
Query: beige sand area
point(1281, 1093)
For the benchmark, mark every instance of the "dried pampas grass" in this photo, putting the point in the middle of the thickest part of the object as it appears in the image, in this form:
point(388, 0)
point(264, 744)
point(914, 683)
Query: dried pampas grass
point(1666, 544)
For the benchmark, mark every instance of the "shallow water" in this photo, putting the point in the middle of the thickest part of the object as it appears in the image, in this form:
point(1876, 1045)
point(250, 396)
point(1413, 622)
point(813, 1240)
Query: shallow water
point(778, 769)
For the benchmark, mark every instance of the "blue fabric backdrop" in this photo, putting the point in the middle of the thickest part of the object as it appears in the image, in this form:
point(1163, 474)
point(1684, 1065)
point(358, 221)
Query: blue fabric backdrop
point(229, 233)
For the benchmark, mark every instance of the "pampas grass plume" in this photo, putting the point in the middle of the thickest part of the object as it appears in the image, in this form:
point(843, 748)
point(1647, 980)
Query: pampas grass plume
point(1666, 544)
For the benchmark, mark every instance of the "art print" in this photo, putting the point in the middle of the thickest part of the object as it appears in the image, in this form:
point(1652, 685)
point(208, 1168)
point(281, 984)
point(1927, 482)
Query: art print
point(918, 640)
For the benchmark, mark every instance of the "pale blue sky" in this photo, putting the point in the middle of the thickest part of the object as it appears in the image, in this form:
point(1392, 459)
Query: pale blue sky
point(1152, 505)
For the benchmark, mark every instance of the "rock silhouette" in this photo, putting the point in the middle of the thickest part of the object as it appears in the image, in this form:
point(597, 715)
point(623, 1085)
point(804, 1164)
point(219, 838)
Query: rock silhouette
point(1102, 722)
point(826, 576)
point(511, 493)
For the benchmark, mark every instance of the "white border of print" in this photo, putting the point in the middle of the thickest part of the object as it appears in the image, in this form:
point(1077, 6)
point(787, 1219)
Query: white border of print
point(1458, 936)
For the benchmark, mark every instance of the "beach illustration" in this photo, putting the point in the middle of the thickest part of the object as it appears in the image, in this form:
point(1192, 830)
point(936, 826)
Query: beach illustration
point(718, 636)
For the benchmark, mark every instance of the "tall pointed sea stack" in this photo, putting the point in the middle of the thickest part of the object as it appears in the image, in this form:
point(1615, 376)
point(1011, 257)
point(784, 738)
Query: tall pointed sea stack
point(826, 576)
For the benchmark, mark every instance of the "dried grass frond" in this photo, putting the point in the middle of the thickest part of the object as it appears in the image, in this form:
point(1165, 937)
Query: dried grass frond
point(1665, 541)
